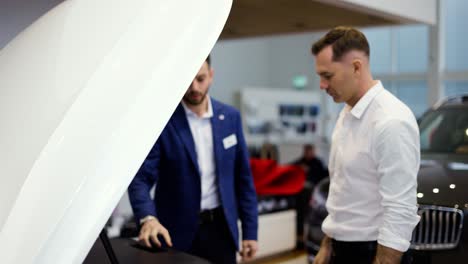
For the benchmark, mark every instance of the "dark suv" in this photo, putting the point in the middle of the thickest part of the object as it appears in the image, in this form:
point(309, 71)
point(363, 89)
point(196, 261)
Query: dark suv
point(442, 234)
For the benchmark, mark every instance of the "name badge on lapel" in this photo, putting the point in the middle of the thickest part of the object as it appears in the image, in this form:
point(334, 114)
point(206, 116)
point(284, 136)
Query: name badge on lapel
point(229, 141)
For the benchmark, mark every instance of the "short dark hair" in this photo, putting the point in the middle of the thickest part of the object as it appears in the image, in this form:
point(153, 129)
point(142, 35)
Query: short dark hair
point(342, 39)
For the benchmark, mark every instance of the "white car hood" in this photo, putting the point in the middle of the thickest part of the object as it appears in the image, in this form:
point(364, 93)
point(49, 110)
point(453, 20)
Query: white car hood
point(85, 92)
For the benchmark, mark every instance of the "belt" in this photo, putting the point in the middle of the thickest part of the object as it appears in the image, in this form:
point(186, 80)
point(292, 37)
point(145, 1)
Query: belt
point(208, 216)
point(353, 245)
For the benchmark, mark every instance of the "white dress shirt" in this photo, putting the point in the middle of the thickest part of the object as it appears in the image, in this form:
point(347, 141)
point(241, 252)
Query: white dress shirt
point(374, 161)
point(203, 139)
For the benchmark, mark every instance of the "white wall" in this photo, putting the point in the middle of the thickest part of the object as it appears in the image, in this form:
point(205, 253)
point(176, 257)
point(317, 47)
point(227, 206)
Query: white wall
point(238, 63)
point(262, 62)
point(290, 56)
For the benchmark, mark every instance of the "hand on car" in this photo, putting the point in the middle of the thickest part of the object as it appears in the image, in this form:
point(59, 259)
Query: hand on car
point(149, 234)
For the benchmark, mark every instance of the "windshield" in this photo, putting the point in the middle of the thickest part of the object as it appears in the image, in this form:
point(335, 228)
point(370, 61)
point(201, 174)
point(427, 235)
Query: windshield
point(445, 131)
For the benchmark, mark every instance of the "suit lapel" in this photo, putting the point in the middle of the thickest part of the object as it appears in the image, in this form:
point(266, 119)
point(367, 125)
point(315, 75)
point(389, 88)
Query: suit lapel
point(217, 127)
point(183, 129)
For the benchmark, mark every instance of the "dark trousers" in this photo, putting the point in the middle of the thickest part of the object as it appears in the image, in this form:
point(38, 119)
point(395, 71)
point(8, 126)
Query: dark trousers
point(213, 240)
point(302, 208)
point(358, 252)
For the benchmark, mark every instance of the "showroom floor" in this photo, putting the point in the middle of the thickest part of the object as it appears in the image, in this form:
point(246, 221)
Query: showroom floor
point(295, 257)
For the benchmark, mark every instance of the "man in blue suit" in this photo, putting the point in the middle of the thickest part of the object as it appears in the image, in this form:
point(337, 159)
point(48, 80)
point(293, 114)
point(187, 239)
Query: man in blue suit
point(201, 170)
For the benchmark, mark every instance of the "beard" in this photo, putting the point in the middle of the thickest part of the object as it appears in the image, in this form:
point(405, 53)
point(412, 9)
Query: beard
point(194, 98)
point(335, 96)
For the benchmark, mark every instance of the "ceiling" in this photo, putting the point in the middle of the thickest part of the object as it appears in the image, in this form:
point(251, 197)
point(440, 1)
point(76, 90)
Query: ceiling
point(249, 18)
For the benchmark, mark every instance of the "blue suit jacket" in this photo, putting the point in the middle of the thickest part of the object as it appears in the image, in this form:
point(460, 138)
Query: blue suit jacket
point(172, 165)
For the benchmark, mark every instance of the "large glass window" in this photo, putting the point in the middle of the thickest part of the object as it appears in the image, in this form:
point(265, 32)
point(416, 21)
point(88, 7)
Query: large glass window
point(456, 87)
point(412, 48)
point(413, 94)
point(456, 34)
point(402, 50)
point(380, 49)
point(411, 44)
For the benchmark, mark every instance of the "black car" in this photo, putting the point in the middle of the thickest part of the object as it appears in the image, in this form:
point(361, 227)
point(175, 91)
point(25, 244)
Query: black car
point(442, 233)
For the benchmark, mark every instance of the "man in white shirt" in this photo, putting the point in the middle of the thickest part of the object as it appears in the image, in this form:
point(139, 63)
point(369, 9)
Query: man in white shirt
point(374, 158)
point(204, 185)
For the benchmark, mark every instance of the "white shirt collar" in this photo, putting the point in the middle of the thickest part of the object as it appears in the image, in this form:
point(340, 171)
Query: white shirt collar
point(365, 101)
point(207, 114)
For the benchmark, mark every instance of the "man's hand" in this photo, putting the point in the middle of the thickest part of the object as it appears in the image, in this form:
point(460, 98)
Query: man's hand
point(386, 255)
point(149, 233)
point(249, 249)
point(323, 256)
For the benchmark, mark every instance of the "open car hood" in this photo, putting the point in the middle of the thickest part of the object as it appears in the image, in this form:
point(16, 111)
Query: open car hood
point(86, 91)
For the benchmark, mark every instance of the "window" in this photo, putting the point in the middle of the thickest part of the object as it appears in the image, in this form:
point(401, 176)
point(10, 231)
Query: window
point(456, 34)
point(412, 49)
point(412, 93)
point(380, 49)
point(456, 87)
point(399, 52)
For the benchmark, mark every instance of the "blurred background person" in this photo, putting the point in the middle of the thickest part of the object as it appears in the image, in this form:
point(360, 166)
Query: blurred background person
point(315, 171)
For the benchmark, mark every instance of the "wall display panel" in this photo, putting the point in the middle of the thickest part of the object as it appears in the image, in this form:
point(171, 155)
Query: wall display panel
point(281, 115)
